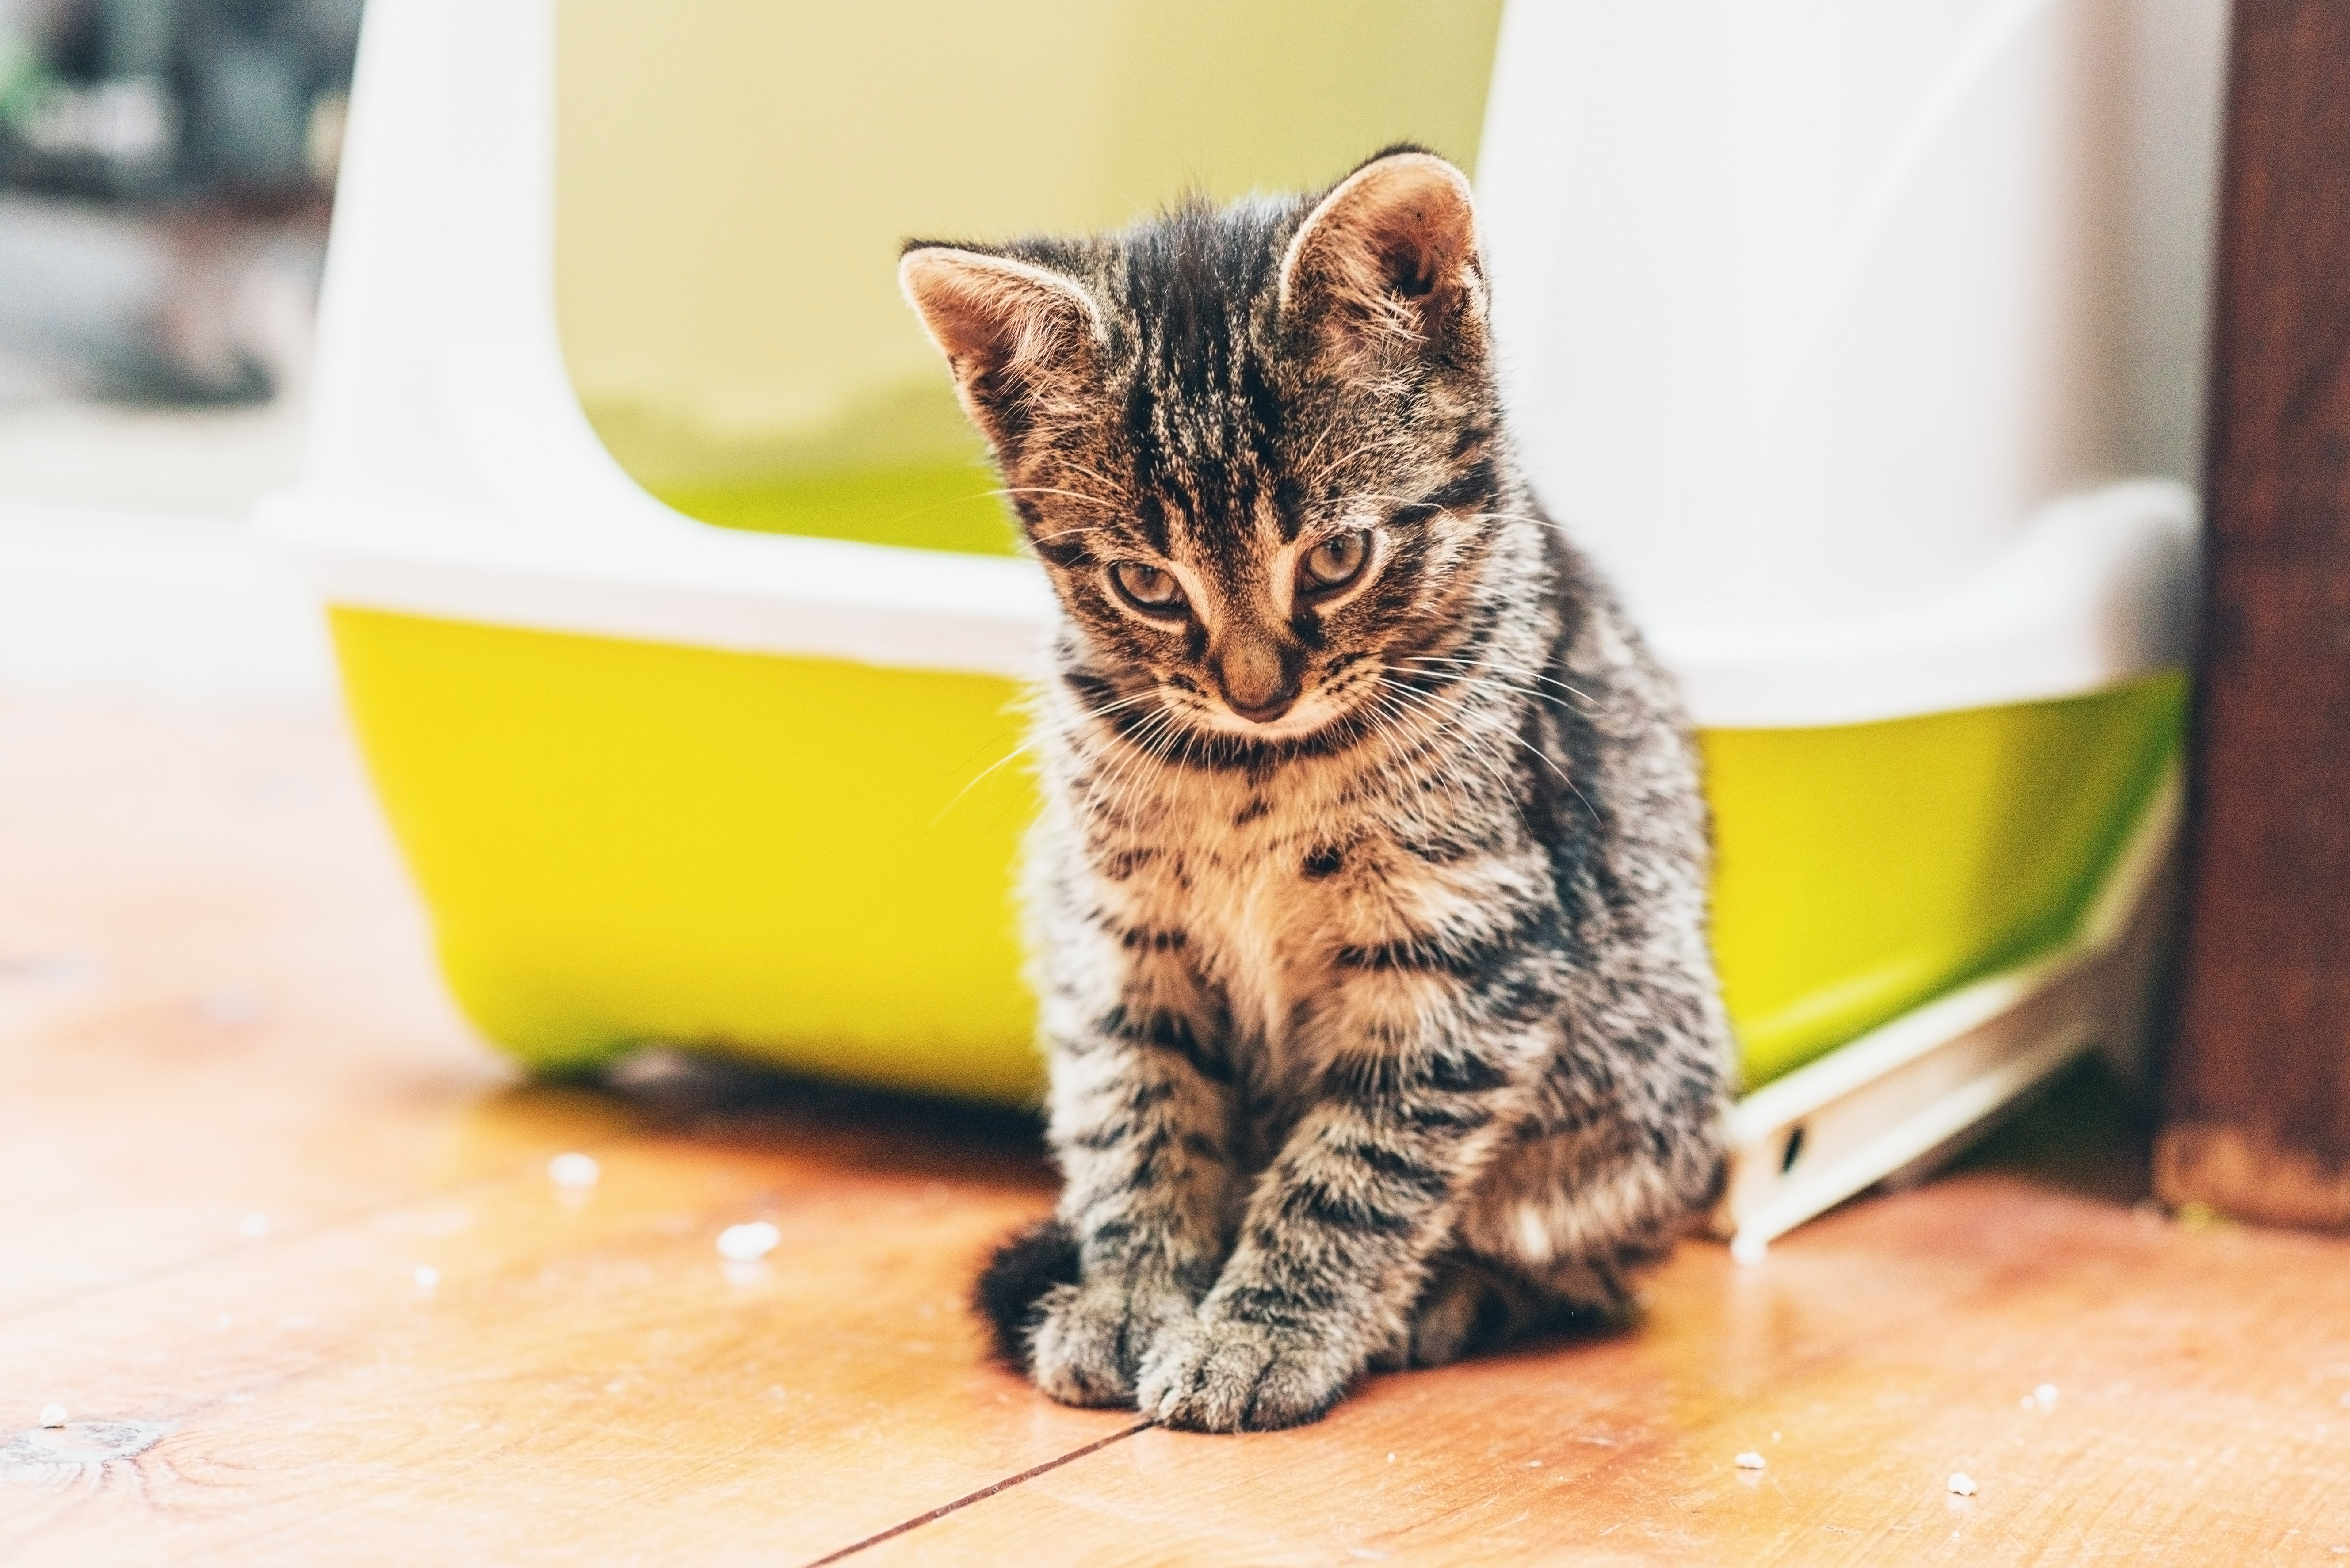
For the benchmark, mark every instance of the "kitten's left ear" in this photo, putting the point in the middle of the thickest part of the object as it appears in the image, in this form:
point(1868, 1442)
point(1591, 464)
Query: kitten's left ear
point(1021, 340)
point(1390, 258)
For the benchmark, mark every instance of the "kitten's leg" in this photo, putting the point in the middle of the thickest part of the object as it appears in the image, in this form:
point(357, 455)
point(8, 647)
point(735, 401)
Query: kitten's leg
point(1141, 1123)
point(1331, 1255)
point(1466, 1306)
point(1593, 1194)
point(1533, 1253)
point(1337, 1235)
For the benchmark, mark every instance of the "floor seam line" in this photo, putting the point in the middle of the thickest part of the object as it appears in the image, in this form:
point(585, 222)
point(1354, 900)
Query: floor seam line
point(981, 1495)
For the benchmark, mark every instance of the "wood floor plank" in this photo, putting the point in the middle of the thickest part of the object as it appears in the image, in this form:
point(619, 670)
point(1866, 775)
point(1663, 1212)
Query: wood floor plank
point(217, 1005)
point(582, 1379)
point(123, 1165)
point(216, 1008)
point(2201, 1414)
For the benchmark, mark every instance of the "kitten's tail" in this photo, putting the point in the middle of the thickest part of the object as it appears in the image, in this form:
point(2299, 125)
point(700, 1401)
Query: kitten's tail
point(1028, 1263)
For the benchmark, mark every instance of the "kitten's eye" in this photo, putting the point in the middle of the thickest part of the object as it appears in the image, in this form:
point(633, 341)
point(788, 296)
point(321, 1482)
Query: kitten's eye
point(1335, 562)
point(1148, 586)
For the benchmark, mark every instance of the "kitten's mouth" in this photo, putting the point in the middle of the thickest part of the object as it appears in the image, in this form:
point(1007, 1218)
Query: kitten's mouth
point(1309, 714)
point(1184, 709)
point(1301, 718)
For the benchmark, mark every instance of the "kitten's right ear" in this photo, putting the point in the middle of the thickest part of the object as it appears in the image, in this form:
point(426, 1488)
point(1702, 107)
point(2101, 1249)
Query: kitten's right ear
point(1020, 338)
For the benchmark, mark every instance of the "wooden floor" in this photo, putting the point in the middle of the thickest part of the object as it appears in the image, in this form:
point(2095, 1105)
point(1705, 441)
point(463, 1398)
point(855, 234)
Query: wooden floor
point(282, 1239)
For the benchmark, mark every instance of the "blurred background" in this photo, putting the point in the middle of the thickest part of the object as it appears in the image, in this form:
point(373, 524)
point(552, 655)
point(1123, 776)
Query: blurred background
point(166, 171)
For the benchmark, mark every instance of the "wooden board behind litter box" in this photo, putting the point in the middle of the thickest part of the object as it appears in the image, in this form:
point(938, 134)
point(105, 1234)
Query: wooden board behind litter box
point(2258, 1100)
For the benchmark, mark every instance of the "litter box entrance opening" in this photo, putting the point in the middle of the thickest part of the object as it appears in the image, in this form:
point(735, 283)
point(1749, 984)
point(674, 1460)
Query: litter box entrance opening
point(734, 180)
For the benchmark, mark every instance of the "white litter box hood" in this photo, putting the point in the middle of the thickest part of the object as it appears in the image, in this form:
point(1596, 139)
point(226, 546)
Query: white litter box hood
point(1829, 328)
point(1659, 267)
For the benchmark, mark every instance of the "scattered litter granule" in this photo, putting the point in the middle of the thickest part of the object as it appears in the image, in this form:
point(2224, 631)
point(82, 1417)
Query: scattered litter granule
point(53, 1415)
point(426, 1276)
point(228, 1004)
point(1961, 1484)
point(254, 1225)
point(1749, 1460)
point(2044, 1396)
point(575, 1171)
point(748, 1243)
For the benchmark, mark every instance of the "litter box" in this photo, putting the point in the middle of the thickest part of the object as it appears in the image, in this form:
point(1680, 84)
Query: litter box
point(685, 643)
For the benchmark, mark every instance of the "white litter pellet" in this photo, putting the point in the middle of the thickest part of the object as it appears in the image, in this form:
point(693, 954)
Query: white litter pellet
point(228, 1004)
point(577, 1171)
point(426, 1276)
point(256, 1225)
point(53, 1415)
point(1749, 1460)
point(748, 1243)
point(2044, 1396)
point(1748, 1249)
point(1961, 1484)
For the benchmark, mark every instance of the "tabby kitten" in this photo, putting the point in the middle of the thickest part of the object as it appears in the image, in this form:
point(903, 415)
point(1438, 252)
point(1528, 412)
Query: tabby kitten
point(1368, 900)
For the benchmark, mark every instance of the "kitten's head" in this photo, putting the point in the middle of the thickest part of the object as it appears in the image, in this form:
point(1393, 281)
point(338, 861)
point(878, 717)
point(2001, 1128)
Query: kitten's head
point(1258, 449)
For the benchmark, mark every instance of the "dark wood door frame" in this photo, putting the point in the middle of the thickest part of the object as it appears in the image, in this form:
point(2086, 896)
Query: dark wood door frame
point(2257, 1088)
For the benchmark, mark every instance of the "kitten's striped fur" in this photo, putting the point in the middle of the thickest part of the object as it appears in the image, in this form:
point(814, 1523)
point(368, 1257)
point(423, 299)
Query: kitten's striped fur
point(1369, 922)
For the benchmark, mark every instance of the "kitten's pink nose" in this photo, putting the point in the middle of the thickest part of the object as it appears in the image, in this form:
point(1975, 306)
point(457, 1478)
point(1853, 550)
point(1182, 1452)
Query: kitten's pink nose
point(1257, 683)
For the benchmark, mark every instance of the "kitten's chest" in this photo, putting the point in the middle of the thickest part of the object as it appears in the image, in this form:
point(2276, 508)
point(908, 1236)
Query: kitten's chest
point(1266, 892)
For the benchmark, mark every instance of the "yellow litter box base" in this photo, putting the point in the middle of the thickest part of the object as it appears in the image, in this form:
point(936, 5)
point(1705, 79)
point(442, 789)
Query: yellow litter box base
point(809, 862)
point(622, 842)
point(1863, 870)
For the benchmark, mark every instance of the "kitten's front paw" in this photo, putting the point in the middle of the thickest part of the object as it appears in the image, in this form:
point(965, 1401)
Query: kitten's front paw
point(1226, 1375)
point(1091, 1337)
